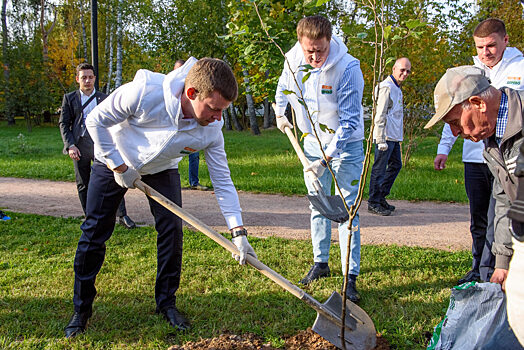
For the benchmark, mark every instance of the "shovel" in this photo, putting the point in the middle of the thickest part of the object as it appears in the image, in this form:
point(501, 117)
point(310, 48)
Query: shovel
point(331, 207)
point(359, 332)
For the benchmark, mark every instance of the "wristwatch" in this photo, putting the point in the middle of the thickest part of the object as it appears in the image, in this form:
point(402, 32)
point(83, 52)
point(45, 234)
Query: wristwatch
point(239, 232)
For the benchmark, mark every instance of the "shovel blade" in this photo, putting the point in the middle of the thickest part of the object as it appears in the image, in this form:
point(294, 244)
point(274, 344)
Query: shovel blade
point(331, 207)
point(359, 334)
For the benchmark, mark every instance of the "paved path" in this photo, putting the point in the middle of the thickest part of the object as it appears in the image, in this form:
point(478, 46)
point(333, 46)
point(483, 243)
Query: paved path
point(424, 224)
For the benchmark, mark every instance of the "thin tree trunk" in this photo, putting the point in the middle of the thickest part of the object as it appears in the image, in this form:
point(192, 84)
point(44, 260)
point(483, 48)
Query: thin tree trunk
point(27, 118)
point(267, 110)
point(45, 33)
point(5, 61)
point(227, 120)
point(84, 35)
point(110, 60)
point(234, 118)
point(118, 80)
point(267, 114)
point(250, 106)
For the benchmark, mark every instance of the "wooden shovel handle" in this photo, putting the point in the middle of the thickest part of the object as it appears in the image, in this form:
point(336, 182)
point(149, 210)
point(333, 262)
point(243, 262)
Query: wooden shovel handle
point(305, 162)
point(218, 238)
point(228, 245)
point(296, 146)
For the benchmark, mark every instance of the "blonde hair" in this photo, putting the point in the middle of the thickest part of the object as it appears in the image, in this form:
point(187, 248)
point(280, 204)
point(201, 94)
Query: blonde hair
point(210, 74)
point(314, 28)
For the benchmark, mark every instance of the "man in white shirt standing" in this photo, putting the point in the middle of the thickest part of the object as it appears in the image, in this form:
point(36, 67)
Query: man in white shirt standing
point(141, 131)
point(333, 94)
point(387, 135)
point(504, 66)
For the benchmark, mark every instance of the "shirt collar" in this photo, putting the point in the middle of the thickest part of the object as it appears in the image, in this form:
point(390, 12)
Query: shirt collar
point(394, 80)
point(82, 93)
point(502, 117)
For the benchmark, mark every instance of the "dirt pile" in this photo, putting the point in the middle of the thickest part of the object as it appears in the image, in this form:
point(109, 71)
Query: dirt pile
point(304, 340)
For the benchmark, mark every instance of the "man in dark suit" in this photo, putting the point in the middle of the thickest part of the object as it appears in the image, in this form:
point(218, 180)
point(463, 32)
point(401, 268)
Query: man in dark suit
point(77, 142)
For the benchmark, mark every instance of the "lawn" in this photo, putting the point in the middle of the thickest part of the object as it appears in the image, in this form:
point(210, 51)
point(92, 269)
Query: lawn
point(260, 164)
point(404, 290)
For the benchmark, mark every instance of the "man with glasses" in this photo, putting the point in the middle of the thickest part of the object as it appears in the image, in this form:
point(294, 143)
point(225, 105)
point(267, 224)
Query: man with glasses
point(387, 135)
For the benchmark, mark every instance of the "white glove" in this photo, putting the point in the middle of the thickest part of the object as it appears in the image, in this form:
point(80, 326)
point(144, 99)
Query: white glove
point(244, 248)
point(316, 167)
point(382, 147)
point(282, 123)
point(127, 178)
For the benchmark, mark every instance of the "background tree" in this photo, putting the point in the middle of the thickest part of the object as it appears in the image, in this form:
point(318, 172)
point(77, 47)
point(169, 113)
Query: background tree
point(417, 29)
point(154, 34)
point(5, 63)
point(250, 47)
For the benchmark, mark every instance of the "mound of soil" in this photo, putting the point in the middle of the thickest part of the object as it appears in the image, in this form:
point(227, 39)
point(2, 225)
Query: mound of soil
point(304, 340)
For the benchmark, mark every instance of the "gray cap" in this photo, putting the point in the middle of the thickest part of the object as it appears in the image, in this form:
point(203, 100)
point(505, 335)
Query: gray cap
point(456, 86)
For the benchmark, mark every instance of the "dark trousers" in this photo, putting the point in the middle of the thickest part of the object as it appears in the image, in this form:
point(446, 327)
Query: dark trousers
point(193, 168)
point(83, 172)
point(104, 195)
point(478, 181)
point(385, 170)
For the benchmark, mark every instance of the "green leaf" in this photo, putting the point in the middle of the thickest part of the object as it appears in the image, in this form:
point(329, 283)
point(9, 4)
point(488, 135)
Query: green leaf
point(288, 92)
point(387, 32)
point(414, 23)
point(389, 60)
point(306, 77)
point(354, 182)
point(301, 102)
point(396, 37)
point(303, 136)
point(362, 35)
point(324, 128)
point(321, 2)
point(306, 67)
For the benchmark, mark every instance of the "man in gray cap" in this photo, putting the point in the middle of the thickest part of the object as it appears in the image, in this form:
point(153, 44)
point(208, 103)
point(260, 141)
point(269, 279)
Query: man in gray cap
point(476, 111)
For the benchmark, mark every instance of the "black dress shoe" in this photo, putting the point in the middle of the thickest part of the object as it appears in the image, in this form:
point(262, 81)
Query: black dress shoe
point(388, 206)
point(200, 187)
point(77, 324)
point(471, 276)
point(352, 293)
point(315, 273)
point(378, 209)
point(175, 318)
point(126, 222)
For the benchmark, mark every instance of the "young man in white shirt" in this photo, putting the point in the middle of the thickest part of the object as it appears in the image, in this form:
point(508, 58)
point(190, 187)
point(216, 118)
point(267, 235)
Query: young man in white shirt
point(141, 131)
point(333, 95)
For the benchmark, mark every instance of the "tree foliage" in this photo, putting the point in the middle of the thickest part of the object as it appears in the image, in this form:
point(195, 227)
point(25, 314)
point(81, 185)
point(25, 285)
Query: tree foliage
point(155, 33)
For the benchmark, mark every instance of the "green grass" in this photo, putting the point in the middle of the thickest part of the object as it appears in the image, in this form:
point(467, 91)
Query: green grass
point(264, 164)
point(404, 290)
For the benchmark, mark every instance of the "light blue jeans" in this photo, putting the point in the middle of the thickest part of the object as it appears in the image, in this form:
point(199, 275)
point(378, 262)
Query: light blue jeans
point(347, 168)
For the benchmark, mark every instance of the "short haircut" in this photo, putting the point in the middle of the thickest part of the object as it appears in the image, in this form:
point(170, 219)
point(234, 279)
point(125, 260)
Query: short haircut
point(210, 74)
point(84, 66)
point(180, 62)
point(490, 26)
point(314, 28)
point(485, 95)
